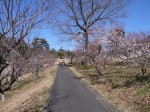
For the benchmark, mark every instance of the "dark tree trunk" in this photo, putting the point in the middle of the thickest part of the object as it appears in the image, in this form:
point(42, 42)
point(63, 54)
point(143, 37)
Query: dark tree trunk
point(99, 72)
point(3, 96)
point(98, 69)
point(86, 41)
point(144, 71)
point(2, 93)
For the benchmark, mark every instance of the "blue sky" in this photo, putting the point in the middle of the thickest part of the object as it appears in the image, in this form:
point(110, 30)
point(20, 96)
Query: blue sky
point(138, 16)
point(138, 19)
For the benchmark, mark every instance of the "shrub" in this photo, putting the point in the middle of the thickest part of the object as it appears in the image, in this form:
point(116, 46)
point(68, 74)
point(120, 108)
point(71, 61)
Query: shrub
point(114, 86)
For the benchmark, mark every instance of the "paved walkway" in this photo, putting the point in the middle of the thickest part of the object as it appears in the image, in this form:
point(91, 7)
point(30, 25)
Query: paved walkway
point(70, 95)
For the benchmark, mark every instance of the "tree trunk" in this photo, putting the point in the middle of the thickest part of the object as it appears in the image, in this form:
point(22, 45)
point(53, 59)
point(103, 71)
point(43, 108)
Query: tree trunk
point(86, 41)
point(99, 72)
point(37, 76)
point(86, 46)
point(144, 71)
point(3, 96)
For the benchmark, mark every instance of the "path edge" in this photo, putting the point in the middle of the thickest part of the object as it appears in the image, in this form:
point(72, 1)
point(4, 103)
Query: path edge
point(49, 93)
point(101, 99)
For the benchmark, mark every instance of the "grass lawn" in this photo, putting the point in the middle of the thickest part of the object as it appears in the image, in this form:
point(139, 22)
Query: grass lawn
point(123, 87)
point(26, 96)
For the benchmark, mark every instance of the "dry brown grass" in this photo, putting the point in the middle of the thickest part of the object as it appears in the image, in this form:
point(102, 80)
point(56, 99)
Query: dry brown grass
point(26, 96)
point(120, 86)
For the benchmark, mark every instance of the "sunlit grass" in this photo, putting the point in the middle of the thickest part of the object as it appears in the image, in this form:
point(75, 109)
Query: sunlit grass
point(125, 87)
point(143, 91)
point(26, 95)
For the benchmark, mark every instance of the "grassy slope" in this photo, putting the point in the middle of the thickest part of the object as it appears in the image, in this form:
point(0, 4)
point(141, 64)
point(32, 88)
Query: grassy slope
point(26, 96)
point(120, 86)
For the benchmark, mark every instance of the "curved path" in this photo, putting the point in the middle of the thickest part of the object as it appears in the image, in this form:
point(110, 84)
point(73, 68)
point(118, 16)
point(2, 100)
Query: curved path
point(69, 94)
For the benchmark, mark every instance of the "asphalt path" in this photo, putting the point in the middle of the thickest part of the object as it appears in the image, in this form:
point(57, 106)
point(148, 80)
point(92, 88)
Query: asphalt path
point(69, 94)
